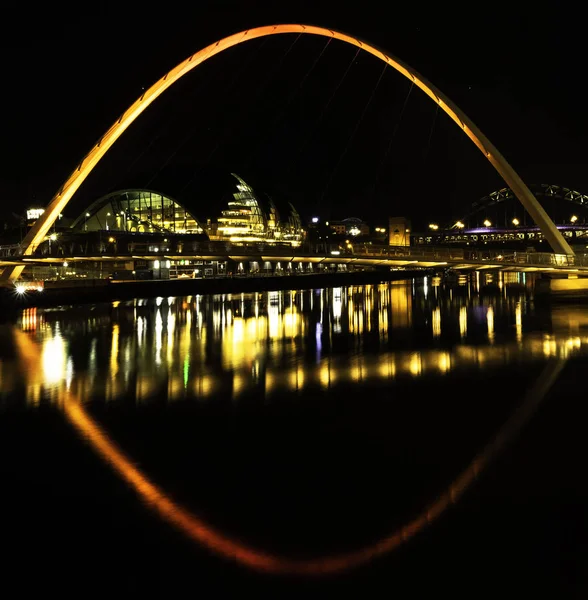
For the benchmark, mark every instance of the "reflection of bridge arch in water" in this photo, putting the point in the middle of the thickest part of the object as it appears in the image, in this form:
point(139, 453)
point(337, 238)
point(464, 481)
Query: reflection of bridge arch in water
point(228, 547)
point(42, 226)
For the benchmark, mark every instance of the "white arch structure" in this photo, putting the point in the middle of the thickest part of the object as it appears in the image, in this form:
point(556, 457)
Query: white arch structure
point(41, 227)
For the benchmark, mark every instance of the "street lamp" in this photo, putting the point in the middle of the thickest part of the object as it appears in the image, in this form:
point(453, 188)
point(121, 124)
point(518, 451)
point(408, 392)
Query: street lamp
point(487, 223)
point(86, 222)
point(459, 225)
point(574, 219)
point(515, 222)
point(433, 226)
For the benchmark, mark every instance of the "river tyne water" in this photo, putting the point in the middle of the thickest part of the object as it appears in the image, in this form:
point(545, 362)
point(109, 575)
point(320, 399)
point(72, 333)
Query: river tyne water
point(407, 438)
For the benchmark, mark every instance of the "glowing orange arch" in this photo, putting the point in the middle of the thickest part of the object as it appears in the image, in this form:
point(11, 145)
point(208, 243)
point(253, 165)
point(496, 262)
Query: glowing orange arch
point(229, 547)
point(40, 229)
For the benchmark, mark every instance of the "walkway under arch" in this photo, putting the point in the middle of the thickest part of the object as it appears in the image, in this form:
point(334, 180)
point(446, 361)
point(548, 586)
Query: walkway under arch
point(42, 226)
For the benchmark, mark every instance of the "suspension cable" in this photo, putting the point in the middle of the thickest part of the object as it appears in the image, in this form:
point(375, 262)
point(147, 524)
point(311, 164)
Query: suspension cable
point(428, 146)
point(389, 147)
point(231, 126)
point(229, 88)
point(177, 115)
point(347, 146)
point(291, 97)
point(323, 112)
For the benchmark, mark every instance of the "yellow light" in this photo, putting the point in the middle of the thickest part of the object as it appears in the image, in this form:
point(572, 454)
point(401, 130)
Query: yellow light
point(433, 226)
point(487, 223)
point(53, 237)
point(459, 225)
point(111, 239)
point(515, 222)
point(574, 219)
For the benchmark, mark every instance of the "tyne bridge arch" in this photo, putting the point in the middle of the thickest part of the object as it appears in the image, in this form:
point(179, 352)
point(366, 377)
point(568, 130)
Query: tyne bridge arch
point(42, 226)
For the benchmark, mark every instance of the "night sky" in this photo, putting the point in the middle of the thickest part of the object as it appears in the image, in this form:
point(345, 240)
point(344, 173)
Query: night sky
point(264, 112)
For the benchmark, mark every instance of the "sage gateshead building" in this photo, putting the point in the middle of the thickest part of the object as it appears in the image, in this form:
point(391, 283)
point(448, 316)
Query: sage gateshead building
point(246, 217)
point(150, 234)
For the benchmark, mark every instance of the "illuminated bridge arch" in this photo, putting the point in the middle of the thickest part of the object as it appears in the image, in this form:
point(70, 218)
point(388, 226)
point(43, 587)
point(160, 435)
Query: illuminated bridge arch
point(41, 227)
point(137, 211)
point(542, 191)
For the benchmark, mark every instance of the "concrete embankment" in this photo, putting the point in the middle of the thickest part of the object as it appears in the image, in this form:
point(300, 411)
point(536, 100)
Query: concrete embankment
point(91, 291)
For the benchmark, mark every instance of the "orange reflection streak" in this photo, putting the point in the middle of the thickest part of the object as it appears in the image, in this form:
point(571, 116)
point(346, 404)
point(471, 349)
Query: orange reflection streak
point(231, 548)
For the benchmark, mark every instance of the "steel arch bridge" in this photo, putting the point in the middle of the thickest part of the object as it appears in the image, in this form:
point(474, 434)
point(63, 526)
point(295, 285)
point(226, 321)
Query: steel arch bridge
point(42, 226)
point(541, 191)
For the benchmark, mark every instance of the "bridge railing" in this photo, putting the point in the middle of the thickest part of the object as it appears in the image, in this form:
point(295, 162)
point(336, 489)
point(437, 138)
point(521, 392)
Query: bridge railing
point(10, 250)
point(475, 256)
point(416, 253)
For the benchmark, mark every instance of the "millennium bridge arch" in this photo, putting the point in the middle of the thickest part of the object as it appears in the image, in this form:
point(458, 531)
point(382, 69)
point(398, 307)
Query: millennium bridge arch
point(42, 226)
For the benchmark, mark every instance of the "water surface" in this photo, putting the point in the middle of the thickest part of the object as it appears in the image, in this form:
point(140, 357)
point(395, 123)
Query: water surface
point(305, 425)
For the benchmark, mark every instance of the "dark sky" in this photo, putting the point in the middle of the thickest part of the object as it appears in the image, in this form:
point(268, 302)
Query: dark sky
point(68, 74)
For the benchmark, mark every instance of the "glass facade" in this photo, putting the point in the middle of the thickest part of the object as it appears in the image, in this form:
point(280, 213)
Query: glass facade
point(137, 211)
point(243, 220)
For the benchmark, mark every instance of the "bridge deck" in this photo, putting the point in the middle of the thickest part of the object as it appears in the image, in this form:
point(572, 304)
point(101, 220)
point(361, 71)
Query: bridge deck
point(395, 257)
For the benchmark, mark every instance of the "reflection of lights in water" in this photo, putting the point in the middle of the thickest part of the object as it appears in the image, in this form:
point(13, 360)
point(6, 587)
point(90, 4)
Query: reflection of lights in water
point(326, 376)
point(356, 373)
point(69, 373)
point(337, 303)
point(273, 315)
point(318, 337)
point(463, 321)
point(92, 358)
point(186, 370)
point(158, 336)
point(415, 364)
point(387, 369)
point(140, 330)
point(490, 320)
point(444, 362)
point(519, 321)
point(296, 379)
point(203, 386)
point(54, 358)
point(549, 346)
point(158, 300)
point(269, 382)
point(171, 323)
point(114, 351)
point(202, 532)
point(401, 305)
point(291, 322)
point(425, 287)
point(238, 385)
point(436, 322)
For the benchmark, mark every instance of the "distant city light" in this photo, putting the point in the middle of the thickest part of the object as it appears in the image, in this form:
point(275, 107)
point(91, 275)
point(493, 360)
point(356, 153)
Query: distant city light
point(20, 289)
point(515, 222)
point(354, 231)
point(433, 226)
point(574, 219)
point(65, 263)
point(459, 225)
point(53, 237)
point(34, 213)
point(335, 252)
point(315, 219)
point(487, 223)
